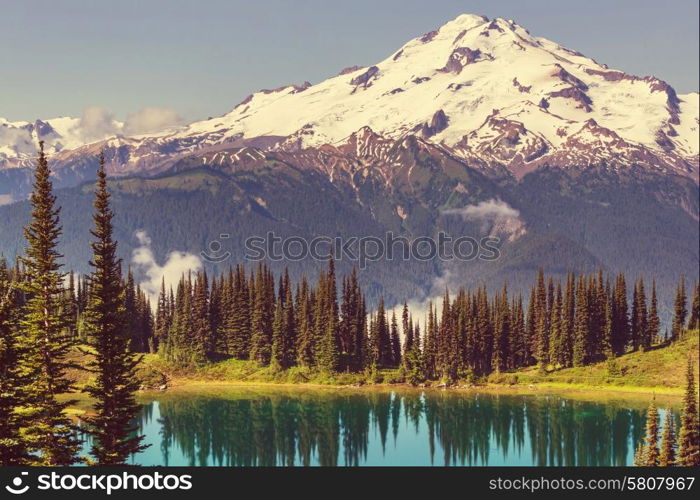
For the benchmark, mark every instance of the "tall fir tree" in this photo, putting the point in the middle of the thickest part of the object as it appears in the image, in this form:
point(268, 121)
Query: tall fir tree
point(654, 324)
point(328, 343)
point(680, 311)
point(50, 432)
point(113, 365)
point(581, 325)
point(13, 378)
point(278, 359)
point(541, 322)
point(261, 324)
point(305, 336)
point(201, 335)
point(694, 321)
point(689, 437)
point(395, 342)
point(568, 321)
point(620, 335)
point(667, 456)
point(407, 332)
point(651, 442)
point(556, 346)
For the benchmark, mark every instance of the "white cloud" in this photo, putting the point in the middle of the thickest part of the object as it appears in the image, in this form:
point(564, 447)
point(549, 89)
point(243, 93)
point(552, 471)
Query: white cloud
point(149, 119)
point(97, 123)
point(489, 209)
point(18, 138)
point(175, 265)
point(6, 199)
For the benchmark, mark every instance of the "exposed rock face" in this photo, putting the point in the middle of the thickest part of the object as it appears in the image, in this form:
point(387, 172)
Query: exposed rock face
point(462, 56)
point(567, 77)
point(429, 36)
point(438, 123)
point(365, 79)
point(522, 88)
point(349, 69)
point(576, 94)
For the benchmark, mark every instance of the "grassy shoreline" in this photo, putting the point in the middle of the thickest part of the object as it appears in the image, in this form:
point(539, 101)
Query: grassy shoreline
point(639, 376)
point(631, 396)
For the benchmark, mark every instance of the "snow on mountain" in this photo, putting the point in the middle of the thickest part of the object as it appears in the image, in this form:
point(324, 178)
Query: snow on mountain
point(475, 74)
point(484, 89)
point(18, 140)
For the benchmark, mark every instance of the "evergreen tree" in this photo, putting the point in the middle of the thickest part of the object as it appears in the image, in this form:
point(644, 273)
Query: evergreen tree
point(620, 335)
point(290, 324)
point(238, 319)
point(530, 328)
point(689, 437)
point(694, 321)
point(651, 443)
point(430, 348)
point(261, 338)
point(395, 342)
point(381, 341)
point(13, 378)
point(556, 347)
point(541, 347)
point(201, 334)
point(305, 337)
point(568, 321)
point(131, 312)
point(113, 365)
point(668, 442)
point(653, 325)
point(639, 328)
point(580, 348)
point(608, 335)
point(446, 361)
point(50, 432)
point(407, 332)
point(502, 333)
point(680, 311)
point(328, 355)
point(163, 316)
point(71, 306)
point(639, 456)
point(278, 355)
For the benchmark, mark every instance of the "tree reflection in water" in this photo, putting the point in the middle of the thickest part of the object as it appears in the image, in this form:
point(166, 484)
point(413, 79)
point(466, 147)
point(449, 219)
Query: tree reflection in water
point(269, 427)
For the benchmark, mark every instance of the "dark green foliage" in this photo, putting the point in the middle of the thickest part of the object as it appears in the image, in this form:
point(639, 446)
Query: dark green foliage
point(45, 329)
point(689, 435)
point(112, 364)
point(651, 443)
point(680, 311)
point(667, 456)
point(13, 379)
point(694, 321)
point(653, 324)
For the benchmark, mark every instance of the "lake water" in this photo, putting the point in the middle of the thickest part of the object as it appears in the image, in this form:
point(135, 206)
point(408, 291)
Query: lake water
point(251, 426)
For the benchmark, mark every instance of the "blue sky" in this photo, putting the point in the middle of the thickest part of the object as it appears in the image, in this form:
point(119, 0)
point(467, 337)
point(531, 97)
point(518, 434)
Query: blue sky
point(202, 57)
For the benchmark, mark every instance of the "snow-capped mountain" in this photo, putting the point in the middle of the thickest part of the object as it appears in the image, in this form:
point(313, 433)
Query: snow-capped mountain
point(18, 140)
point(485, 90)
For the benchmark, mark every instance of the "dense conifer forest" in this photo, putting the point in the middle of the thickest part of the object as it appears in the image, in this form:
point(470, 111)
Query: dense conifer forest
point(251, 314)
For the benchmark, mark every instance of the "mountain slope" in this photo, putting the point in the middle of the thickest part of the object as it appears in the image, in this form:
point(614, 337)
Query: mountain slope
point(486, 89)
point(476, 129)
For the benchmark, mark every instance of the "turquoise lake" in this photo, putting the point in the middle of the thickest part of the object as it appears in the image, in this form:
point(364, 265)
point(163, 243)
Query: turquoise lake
point(280, 427)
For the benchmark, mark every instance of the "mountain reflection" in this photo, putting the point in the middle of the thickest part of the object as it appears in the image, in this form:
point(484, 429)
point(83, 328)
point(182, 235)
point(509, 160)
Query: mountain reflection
point(330, 428)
